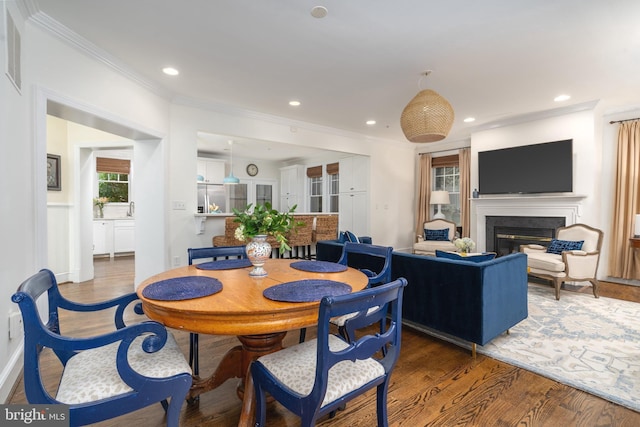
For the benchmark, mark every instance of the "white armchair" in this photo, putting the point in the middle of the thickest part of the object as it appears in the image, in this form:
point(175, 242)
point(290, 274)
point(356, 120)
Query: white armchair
point(428, 247)
point(568, 265)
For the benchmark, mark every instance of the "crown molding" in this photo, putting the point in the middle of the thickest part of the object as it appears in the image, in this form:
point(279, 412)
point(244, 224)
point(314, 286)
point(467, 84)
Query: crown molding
point(537, 115)
point(66, 35)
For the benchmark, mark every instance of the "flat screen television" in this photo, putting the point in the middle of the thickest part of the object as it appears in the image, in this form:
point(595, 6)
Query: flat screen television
point(528, 169)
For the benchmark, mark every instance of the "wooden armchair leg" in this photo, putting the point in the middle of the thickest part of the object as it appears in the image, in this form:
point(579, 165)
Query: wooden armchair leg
point(557, 283)
point(594, 285)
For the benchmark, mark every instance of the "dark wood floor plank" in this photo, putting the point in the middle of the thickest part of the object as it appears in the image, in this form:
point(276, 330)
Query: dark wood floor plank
point(434, 384)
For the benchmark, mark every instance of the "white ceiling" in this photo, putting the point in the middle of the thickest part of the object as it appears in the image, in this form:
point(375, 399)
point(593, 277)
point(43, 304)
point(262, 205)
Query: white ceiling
point(492, 59)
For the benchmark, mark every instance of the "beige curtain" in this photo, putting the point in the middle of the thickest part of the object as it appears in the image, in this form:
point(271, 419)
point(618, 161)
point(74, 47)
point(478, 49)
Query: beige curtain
point(465, 190)
point(424, 192)
point(624, 261)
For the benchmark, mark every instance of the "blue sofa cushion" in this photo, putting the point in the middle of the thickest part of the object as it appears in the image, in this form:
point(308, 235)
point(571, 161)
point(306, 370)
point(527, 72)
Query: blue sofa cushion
point(558, 246)
point(473, 258)
point(441, 235)
point(351, 237)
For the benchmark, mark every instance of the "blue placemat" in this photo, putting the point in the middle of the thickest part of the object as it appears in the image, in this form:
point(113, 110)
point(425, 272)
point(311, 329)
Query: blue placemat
point(224, 264)
point(180, 288)
point(306, 290)
point(319, 266)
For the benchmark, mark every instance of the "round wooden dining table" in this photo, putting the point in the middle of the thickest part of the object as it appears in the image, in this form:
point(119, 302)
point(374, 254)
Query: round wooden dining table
point(241, 309)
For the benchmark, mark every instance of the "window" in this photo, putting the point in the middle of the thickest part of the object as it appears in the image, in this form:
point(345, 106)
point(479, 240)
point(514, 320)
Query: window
point(446, 176)
point(315, 194)
point(334, 188)
point(315, 188)
point(333, 173)
point(113, 179)
point(114, 186)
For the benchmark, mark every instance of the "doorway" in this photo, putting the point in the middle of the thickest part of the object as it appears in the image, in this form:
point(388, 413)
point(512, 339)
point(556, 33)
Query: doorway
point(74, 215)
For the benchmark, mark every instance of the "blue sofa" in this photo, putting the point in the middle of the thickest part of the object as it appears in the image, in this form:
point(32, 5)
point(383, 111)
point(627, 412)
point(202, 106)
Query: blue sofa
point(471, 301)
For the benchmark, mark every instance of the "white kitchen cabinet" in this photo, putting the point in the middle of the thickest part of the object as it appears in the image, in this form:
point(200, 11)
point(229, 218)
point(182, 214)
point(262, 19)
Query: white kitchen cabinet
point(354, 212)
point(124, 233)
point(102, 237)
point(354, 195)
point(292, 181)
point(354, 174)
point(211, 170)
point(112, 236)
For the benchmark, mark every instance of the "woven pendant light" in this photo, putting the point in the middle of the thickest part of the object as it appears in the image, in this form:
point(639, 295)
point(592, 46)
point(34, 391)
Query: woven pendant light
point(428, 117)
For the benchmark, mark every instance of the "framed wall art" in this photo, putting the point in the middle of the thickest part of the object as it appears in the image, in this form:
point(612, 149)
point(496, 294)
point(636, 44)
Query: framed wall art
point(53, 172)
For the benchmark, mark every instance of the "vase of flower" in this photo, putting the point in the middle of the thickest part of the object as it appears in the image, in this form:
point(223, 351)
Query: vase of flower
point(464, 245)
point(99, 203)
point(258, 223)
point(258, 251)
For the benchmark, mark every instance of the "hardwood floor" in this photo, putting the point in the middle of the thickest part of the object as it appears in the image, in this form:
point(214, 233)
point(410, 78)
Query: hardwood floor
point(434, 384)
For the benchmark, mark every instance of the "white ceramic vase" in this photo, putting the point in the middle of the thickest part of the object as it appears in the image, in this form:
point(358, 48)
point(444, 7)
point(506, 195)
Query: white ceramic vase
point(258, 252)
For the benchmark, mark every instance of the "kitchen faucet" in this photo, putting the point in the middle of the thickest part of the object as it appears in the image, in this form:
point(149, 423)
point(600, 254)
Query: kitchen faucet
point(132, 207)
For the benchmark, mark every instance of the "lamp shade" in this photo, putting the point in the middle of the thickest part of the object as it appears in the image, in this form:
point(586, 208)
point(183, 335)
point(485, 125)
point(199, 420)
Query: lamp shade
point(637, 228)
point(428, 117)
point(231, 179)
point(439, 198)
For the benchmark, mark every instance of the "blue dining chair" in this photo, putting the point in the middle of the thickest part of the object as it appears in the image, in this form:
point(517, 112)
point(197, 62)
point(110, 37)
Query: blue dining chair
point(213, 253)
point(329, 371)
point(105, 375)
point(368, 259)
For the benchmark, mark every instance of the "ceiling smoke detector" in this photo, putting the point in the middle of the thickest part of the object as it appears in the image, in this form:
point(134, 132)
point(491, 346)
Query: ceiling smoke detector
point(319, 12)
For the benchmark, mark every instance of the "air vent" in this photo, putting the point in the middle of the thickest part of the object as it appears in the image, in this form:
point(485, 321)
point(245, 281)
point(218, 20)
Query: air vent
point(13, 53)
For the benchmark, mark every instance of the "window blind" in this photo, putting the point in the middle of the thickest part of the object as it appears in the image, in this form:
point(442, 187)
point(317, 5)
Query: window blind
point(333, 168)
point(314, 172)
point(107, 165)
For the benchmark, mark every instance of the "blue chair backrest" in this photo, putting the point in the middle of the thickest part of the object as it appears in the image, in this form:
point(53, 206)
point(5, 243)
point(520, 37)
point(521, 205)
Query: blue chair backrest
point(373, 260)
point(216, 252)
point(388, 299)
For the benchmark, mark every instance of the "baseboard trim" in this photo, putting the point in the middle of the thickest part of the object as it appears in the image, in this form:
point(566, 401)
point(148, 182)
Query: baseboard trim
point(11, 374)
point(622, 281)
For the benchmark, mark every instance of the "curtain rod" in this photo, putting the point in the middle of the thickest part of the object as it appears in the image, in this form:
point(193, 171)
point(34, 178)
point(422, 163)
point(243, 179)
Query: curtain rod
point(621, 121)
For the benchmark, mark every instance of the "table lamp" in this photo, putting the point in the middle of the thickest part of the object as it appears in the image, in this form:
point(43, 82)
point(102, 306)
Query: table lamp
point(439, 198)
point(637, 232)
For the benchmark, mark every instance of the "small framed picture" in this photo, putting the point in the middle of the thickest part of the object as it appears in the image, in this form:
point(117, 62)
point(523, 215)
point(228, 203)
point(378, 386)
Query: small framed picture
point(53, 172)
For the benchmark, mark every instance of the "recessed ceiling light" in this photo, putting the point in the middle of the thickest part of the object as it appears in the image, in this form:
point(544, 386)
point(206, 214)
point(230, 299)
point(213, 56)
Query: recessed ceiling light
point(469, 119)
point(371, 122)
point(170, 71)
point(294, 103)
point(561, 98)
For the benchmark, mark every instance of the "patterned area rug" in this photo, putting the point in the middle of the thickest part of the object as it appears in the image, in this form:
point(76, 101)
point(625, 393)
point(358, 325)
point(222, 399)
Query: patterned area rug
point(590, 344)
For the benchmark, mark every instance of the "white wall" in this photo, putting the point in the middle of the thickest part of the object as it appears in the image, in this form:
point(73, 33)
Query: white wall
point(588, 162)
point(52, 69)
point(17, 251)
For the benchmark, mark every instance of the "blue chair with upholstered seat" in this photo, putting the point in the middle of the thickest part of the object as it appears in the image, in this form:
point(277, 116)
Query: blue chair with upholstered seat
point(105, 375)
point(365, 258)
point(368, 259)
point(213, 253)
point(329, 371)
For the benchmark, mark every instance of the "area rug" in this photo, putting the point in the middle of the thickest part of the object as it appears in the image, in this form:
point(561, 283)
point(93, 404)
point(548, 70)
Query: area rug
point(587, 343)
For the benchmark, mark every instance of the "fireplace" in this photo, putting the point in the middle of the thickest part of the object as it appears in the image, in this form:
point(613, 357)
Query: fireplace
point(527, 215)
point(505, 234)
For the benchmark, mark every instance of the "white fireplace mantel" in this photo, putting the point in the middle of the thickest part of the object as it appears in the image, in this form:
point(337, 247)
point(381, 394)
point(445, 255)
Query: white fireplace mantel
point(567, 206)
